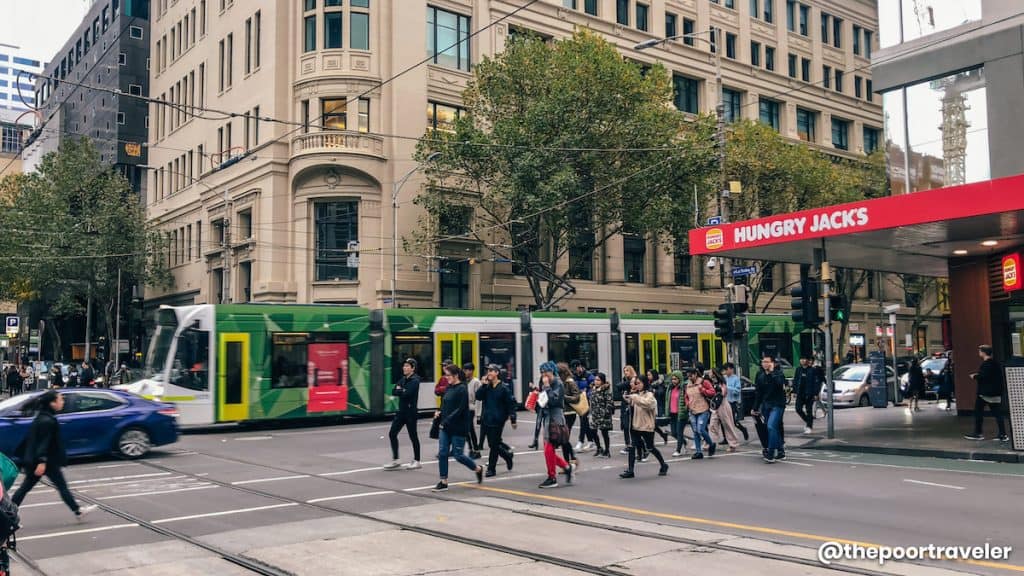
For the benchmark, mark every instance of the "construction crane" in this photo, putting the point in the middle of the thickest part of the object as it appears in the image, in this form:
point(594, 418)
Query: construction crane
point(954, 122)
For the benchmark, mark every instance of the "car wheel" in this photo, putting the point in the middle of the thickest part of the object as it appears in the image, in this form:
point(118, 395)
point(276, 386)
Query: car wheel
point(864, 401)
point(133, 443)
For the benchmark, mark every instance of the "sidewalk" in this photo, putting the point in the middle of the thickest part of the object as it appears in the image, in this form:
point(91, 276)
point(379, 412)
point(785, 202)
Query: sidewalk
point(932, 432)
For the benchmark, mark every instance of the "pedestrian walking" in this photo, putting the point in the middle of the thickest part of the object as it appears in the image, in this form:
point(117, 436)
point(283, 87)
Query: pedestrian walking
point(44, 453)
point(946, 385)
point(698, 391)
point(407, 390)
point(571, 402)
point(56, 377)
point(584, 380)
point(497, 405)
point(770, 401)
point(552, 419)
point(442, 382)
point(455, 425)
point(734, 396)
point(15, 381)
point(86, 377)
point(915, 384)
point(990, 393)
point(644, 409)
point(472, 385)
point(602, 406)
point(675, 399)
point(628, 375)
point(807, 381)
point(722, 423)
point(658, 387)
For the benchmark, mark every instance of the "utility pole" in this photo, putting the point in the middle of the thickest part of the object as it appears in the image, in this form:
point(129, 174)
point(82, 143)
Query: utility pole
point(225, 282)
point(117, 324)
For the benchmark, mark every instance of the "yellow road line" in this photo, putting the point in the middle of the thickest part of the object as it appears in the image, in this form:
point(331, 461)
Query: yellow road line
point(718, 523)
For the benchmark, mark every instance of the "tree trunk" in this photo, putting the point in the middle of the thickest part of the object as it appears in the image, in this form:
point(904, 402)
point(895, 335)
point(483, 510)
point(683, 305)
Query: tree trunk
point(88, 324)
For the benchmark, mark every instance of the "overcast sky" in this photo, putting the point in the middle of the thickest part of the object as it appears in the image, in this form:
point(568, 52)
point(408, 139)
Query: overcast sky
point(40, 27)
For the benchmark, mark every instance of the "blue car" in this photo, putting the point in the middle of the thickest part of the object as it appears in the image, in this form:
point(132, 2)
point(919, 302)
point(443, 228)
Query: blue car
point(94, 422)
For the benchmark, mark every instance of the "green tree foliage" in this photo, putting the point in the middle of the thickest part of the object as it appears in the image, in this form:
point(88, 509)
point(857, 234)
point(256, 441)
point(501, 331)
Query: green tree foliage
point(70, 226)
point(562, 145)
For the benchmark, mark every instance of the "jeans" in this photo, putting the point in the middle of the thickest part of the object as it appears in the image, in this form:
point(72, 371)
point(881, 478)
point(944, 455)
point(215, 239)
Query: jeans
point(699, 422)
point(493, 436)
point(979, 414)
point(805, 409)
point(552, 459)
point(56, 476)
point(645, 439)
point(457, 445)
point(773, 418)
point(407, 421)
point(678, 424)
point(587, 434)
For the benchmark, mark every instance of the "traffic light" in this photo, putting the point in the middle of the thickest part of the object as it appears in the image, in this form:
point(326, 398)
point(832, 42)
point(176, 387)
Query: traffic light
point(739, 320)
point(837, 306)
point(805, 304)
point(725, 319)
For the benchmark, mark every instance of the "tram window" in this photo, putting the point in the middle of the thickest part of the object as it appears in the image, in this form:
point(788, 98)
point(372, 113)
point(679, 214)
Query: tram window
point(569, 347)
point(233, 370)
point(686, 346)
point(776, 344)
point(290, 356)
point(500, 349)
point(192, 360)
point(633, 350)
point(418, 346)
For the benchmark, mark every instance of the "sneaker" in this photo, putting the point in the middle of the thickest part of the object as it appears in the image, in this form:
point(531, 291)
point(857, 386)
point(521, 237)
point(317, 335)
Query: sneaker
point(548, 483)
point(578, 447)
point(475, 455)
point(85, 510)
point(1004, 438)
point(697, 456)
point(588, 446)
point(807, 429)
point(767, 457)
point(645, 457)
point(711, 450)
point(568, 473)
point(508, 462)
point(479, 474)
point(627, 474)
point(974, 436)
point(624, 451)
point(663, 471)
point(414, 465)
point(394, 465)
point(676, 454)
point(441, 487)
point(532, 446)
point(490, 474)
point(780, 455)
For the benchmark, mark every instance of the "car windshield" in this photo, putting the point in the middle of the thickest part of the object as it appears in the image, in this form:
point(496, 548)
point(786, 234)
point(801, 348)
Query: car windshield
point(934, 364)
point(851, 373)
point(12, 404)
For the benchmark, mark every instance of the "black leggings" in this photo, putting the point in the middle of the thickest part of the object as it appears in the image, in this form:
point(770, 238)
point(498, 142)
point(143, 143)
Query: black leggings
point(646, 441)
point(567, 452)
point(56, 476)
point(607, 440)
point(407, 421)
point(498, 448)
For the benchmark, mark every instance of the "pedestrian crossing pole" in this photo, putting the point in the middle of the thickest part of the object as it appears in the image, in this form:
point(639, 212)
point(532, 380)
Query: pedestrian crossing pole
point(826, 282)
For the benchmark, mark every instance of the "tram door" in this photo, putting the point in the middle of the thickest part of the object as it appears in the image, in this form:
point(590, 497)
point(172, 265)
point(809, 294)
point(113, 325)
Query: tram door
point(233, 377)
point(712, 351)
point(654, 353)
point(459, 348)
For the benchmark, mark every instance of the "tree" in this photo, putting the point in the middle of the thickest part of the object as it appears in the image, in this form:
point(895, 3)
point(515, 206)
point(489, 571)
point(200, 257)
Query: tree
point(71, 226)
point(920, 295)
point(562, 146)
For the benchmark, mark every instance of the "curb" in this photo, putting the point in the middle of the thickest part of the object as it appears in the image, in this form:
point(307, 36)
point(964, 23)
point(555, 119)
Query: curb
point(1004, 457)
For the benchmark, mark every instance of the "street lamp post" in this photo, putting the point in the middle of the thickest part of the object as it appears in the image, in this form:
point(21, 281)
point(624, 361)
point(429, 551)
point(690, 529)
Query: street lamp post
point(394, 224)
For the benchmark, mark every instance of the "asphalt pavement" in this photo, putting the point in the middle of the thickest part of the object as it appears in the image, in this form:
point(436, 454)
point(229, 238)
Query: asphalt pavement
point(316, 501)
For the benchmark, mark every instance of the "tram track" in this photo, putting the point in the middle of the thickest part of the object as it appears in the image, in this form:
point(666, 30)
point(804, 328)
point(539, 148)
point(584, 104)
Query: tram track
point(592, 569)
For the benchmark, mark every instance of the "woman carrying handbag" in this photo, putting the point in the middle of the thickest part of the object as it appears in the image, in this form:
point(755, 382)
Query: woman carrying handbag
point(552, 419)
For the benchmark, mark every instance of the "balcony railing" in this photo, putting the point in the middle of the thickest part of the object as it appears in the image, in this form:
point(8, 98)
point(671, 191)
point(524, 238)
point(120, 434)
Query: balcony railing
point(338, 141)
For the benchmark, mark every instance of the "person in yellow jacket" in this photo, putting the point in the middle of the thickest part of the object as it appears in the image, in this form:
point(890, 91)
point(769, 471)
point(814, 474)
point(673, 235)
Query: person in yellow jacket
point(644, 410)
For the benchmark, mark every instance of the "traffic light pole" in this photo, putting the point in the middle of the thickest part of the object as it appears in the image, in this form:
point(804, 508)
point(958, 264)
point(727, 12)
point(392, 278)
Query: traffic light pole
point(829, 384)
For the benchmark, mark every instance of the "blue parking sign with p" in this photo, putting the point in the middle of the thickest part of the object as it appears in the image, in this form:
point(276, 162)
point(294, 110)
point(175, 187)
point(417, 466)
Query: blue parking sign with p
point(12, 321)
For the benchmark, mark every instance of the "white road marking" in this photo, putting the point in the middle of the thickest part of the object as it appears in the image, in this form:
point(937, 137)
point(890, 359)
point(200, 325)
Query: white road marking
point(275, 479)
point(933, 484)
point(223, 513)
point(244, 438)
point(114, 466)
point(39, 505)
point(849, 461)
point(787, 461)
point(93, 488)
point(158, 492)
point(113, 478)
point(74, 532)
point(349, 496)
point(344, 472)
point(186, 453)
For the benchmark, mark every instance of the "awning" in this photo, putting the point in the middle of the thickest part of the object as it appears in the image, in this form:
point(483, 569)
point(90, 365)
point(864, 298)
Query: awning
point(913, 233)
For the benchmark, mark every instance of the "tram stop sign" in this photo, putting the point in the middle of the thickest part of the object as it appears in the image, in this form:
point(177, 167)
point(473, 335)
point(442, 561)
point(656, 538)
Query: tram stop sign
point(13, 326)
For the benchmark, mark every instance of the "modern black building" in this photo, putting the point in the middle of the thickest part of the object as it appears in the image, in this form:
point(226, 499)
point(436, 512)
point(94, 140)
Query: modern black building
point(89, 88)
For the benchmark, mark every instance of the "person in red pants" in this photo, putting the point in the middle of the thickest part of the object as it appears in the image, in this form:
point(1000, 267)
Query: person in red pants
point(552, 416)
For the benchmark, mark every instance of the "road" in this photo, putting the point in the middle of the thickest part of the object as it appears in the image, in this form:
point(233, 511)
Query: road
point(315, 501)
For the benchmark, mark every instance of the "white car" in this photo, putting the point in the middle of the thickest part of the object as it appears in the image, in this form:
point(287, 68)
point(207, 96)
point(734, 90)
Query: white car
point(853, 382)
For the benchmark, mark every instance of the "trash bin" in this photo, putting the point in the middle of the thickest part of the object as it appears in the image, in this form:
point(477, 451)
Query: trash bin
point(878, 393)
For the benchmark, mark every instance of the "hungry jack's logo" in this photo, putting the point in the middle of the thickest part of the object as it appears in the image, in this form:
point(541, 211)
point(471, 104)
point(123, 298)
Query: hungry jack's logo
point(1011, 273)
point(714, 239)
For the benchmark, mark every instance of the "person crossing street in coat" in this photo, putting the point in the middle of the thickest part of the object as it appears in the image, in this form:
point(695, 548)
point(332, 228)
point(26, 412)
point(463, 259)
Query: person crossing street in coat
point(498, 405)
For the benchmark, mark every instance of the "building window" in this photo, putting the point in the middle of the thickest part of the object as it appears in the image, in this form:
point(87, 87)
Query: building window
point(135, 90)
point(867, 44)
point(791, 15)
point(768, 279)
point(364, 115)
point(642, 11)
point(840, 134)
point(248, 45)
point(670, 25)
point(769, 58)
point(337, 236)
point(683, 267)
point(634, 250)
point(755, 8)
point(135, 32)
point(333, 113)
point(856, 40)
point(120, 118)
point(122, 59)
point(442, 116)
point(454, 283)
point(858, 90)
point(309, 35)
point(804, 17)
point(581, 251)
point(305, 116)
point(826, 27)
point(332, 30)
point(359, 30)
point(448, 38)
point(769, 11)
point(826, 76)
point(870, 92)
point(805, 69)
point(730, 45)
point(731, 100)
point(792, 65)
point(245, 280)
point(839, 80)
point(685, 94)
point(257, 37)
point(870, 139)
point(590, 7)
point(229, 60)
point(769, 112)
point(805, 121)
point(688, 28)
point(755, 54)
point(837, 32)
point(622, 12)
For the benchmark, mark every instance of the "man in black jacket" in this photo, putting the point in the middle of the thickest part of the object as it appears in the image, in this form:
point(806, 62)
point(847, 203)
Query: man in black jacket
point(498, 405)
point(990, 393)
point(770, 403)
point(807, 382)
point(407, 390)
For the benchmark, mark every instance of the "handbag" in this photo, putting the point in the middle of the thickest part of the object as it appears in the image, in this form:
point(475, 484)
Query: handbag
point(435, 428)
point(531, 400)
point(582, 406)
point(558, 434)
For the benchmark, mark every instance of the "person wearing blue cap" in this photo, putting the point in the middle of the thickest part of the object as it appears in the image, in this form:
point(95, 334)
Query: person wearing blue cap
point(552, 419)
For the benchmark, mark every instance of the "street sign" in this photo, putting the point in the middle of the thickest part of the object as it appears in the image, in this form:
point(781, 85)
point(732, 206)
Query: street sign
point(854, 327)
point(856, 339)
point(13, 326)
point(714, 220)
point(744, 271)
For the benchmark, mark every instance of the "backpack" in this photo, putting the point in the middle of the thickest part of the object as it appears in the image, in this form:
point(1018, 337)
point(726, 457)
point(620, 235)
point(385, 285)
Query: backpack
point(8, 472)
point(716, 400)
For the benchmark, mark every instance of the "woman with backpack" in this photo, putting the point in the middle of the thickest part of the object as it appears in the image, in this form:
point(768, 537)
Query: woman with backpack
point(644, 410)
point(722, 422)
point(602, 406)
point(698, 391)
point(44, 453)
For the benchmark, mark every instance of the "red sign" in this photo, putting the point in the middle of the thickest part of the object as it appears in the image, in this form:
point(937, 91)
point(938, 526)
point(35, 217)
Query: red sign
point(327, 377)
point(1011, 273)
point(942, 204)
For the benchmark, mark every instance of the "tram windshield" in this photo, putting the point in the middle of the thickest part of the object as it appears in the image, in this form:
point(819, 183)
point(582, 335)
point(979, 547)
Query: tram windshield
point(191, 350)
point(160, 346)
